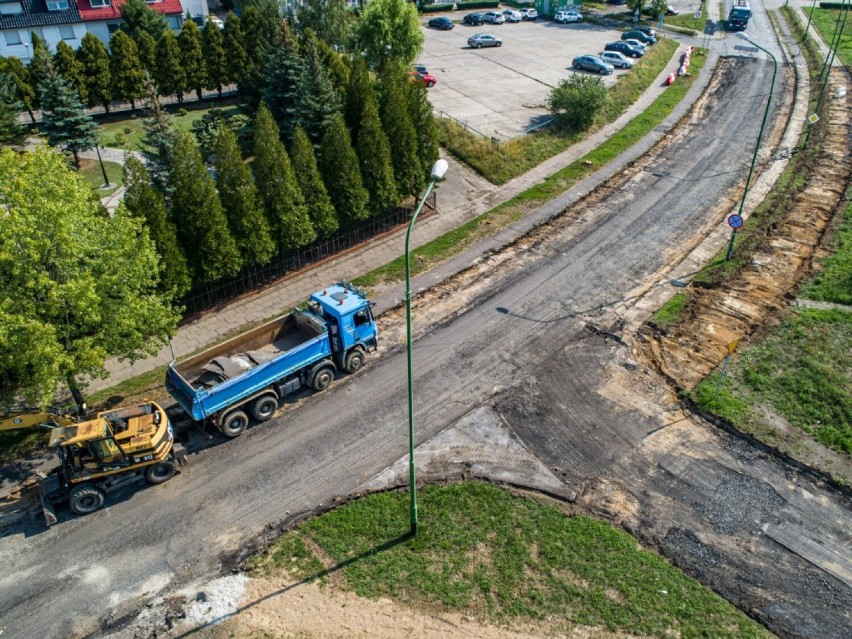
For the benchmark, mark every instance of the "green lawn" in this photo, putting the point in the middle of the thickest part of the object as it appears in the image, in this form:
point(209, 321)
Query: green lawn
point(834, 282)
point(687, 20)
point(91, 172)
point(803, 369)
point(130, 128)
point(499, 163)
point(505, 559)
point(669, 312)
point(825, 21)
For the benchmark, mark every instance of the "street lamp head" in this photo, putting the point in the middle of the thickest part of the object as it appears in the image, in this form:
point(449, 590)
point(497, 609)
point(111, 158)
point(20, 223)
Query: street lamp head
point(439, 168)
point(742, 35)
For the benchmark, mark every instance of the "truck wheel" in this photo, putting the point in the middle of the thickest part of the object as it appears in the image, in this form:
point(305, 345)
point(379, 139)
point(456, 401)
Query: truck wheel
point(159, 473)
point(234, 424)
point(322, 379)
point(354, 361)
point(86, 499)
point(264, 408)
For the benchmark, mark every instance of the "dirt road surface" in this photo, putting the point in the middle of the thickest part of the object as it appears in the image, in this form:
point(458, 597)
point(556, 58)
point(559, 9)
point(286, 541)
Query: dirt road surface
point(766, 537)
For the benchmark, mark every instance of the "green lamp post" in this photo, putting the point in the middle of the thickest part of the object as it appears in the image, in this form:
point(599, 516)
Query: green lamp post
point(438, 171)
point(744, 36)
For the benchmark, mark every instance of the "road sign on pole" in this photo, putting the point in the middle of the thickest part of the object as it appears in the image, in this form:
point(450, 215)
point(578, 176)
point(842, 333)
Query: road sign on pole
point(697, 14)
point(735, 221)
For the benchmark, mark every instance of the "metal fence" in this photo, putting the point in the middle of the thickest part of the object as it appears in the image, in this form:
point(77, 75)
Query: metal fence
point(253, 280)
point(536, 126)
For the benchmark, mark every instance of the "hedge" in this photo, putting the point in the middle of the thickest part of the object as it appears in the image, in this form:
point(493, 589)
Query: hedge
point(477, 4)
point(434, 8)
point(833, 5)
point(520, 4)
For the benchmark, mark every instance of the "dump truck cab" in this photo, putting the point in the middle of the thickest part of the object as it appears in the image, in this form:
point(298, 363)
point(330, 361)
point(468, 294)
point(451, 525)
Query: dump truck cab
point(349, 318)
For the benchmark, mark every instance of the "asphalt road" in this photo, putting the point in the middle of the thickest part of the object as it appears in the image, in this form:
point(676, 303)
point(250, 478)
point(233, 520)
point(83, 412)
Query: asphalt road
point(717, 508)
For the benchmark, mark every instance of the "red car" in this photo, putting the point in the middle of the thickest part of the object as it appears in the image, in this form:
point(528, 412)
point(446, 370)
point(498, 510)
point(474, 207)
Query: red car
point(424, 78)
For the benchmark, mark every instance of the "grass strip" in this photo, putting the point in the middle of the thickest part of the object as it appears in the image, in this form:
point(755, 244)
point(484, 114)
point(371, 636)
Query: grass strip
point(669, 313)
point(505, 559)
point(803, 369)
point(825, 21)
point(834, 283)
point(499, 163)
point(454, 242)
point(91, 172)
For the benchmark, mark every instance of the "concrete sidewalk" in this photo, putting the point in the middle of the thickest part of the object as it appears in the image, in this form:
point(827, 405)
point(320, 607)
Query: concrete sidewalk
point(461, 197)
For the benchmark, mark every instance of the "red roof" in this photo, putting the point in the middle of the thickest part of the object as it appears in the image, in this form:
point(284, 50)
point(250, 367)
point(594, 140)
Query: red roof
point(113, 11)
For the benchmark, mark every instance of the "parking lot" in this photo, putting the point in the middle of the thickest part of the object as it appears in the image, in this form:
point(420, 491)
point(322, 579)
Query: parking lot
point(501, 92)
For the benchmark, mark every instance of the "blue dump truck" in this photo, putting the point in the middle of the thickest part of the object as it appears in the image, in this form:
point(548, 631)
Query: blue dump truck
point(248, 376)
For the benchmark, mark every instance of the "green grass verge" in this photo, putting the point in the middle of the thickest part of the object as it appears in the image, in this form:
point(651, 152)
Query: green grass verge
point(499, 163)
point(669, 312)
point(506, 559)
point(91, 172)
point(130, 128)
point(442, 248)
point(834, 283)
point(825, 21)
point(687, 20)
point(803, 369)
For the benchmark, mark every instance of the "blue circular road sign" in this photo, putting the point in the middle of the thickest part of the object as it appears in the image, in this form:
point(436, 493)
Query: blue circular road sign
point(735, 221)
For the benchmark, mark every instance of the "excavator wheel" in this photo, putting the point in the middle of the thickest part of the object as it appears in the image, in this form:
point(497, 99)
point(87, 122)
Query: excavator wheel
point(86, 499)
point(159, 473)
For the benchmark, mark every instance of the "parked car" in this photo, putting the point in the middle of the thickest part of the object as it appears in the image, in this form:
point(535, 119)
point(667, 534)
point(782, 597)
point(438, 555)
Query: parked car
point(624, 48)
point(512, 16)
point(217, 21)
point(635, 34)
point(636, 44)
point(671, 11)
point(592, 63)
point(424, 78)
point(564, 17)
point(530, 14)
point(648, 31)
point(494, 17)
point(475, 19)
point(442, 22)
point(616, 59)
point(419, 68)
point(484, 40)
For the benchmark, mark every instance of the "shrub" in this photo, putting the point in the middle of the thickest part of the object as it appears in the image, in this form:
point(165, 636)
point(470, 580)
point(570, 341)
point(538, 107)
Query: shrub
point(833, 5)
point(520, 4)
point(434, 8)
point(120, 139)
point(576, 101)
point(128, 130)
point(477, 4)
point(182, 112)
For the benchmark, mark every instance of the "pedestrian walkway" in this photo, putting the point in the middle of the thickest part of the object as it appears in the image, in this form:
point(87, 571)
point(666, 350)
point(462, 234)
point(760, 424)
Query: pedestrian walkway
point(461, 197)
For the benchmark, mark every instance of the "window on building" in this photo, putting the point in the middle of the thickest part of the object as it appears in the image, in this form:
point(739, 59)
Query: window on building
point(66, 32)
point(174, 22)
point(57, 5)
point(37, 31)
point(11, 9)
point(12, 37)
point(115, 26)
point(99, 3)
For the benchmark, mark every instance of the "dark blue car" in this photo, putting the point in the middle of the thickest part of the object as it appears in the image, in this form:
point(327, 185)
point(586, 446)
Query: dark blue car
point(442, 23)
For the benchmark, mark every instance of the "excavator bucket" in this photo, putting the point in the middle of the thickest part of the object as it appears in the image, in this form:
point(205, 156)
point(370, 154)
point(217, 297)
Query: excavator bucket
point(47, 484)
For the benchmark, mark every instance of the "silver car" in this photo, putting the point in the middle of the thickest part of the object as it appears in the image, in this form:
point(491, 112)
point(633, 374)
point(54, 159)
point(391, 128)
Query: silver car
point(483, 40)
point(512, 16)
point(494, 17)
point(616, 59)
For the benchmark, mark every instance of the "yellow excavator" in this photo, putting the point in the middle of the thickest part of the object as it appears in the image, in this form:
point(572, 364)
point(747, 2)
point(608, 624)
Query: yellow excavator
point(100, 455)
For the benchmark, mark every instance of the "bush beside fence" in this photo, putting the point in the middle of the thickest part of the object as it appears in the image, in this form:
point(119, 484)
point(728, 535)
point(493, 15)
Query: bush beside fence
point(435, 8)
point(477, 4)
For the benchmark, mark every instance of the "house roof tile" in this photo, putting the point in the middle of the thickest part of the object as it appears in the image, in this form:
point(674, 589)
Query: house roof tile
point(35, 14)
point(113, 11)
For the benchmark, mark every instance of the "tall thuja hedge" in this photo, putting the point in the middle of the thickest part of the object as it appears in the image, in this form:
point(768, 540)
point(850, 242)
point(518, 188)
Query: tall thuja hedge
point(342, 175)
point(319, 206)
point(425, 128)
point(283, 201)
point(375, 160)
point(397, 124)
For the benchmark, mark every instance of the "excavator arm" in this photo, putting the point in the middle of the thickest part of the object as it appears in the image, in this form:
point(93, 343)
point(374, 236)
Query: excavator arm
point(18, 421)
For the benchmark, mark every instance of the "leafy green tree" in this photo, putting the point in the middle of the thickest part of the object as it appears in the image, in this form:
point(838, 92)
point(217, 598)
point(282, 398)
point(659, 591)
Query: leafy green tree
point(319, 102)
point(41, 62)
point(144, 201)
point(235, 50)
point(96, 76)
point(192, 57)
point(575, 102)
point(241, 201)
point(63, 118)
point(282, 92)
point(147, 48)
point(140, 18)
point(320, 209)
point(375, 161)
point(339, 167)
point(402, 137)
point(261, 36)
point(389, 31)
point(158, 141)
point(77, 287)
point(207, 128)
point(126, 70)
point(420, 110)
point(69, 67)
point(168, 72)
point(215, 63)
point(202, 226)
point(283, 201)
point(359, 89)
point(11, 131)
point(24, 90)
point(331, 20)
